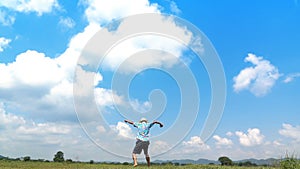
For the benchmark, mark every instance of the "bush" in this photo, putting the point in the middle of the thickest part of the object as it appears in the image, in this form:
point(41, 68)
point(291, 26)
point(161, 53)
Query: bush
point(26, 158)
point(69, 160)
point(290, 163)
point(125, 163)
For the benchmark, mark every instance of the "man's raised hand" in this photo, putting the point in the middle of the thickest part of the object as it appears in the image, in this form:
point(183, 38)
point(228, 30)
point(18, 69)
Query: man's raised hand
point(160, 124)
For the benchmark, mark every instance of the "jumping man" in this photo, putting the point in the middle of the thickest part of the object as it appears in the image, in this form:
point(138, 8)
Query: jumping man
point(142, 139)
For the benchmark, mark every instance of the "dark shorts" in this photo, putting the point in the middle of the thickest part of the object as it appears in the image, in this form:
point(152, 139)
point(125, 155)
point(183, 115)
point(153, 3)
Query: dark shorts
point(141, 145)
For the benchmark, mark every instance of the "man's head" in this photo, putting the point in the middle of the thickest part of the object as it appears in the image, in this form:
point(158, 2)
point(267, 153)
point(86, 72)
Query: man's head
point(143, 120)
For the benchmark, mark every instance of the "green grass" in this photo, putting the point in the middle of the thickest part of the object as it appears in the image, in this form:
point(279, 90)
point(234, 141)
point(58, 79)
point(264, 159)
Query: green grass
point(52, 165)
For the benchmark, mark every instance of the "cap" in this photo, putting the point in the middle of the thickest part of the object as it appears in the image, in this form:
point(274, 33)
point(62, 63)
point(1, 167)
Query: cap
point(143, 119)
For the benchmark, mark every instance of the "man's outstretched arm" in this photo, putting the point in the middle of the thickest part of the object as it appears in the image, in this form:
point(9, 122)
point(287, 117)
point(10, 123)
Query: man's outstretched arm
point(159, 123)
point(129, 121)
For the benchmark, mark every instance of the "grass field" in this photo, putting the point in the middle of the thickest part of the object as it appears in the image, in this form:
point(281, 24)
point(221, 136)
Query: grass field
point(52, 165)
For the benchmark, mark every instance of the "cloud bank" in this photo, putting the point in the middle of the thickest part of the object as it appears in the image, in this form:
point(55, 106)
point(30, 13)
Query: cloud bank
point(259, 78)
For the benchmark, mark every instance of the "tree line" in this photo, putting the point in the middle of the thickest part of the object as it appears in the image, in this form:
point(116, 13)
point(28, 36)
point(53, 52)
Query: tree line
point(228, 162)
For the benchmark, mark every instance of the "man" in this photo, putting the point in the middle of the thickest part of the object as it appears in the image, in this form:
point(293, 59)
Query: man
point(142, 139)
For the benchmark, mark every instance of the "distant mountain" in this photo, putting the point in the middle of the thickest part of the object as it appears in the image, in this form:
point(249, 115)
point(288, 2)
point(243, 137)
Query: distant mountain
point(188, 161)
point(184, 161)
point(206, 161)
point(269, 161)
point(1, 157)
point(199, 161)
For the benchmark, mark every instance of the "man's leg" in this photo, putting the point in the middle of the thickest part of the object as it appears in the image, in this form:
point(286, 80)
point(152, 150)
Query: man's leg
point(137, 150)
point(134, 159)
point(148, 160)
point(147, 153)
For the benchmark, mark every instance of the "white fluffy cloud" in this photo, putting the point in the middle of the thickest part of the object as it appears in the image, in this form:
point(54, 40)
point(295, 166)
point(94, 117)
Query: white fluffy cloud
point(38, 6)
point(20, 128)
point(60, 96)
point(123, 130)
point(101, 129)
point(68, 59)
point(141, 107)
point(4, 43)
point(40, 140)
point(229, 134)
point(102, 11)
point(30, 68)
point(174, 8)
point(107, 98)
point(291, 77)
point(251, 138)
point(159, 146)
point(195, 144)
point(44, 128)
point(35, 80)
point(258, 79)
point(35, 83)
point(290, 131)
point(130, 55)
point(66, 22)
point(8, 119)
point(190, 148)
point(222, 141)
point(126, 49)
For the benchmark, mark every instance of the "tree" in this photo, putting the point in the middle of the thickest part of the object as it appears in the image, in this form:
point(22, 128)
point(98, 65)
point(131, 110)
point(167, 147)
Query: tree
point(225, 161)
point(177, 164)
point(69, 160)
point(125, 163)
point(59, 157)
point(247, 163)
point(26, 158)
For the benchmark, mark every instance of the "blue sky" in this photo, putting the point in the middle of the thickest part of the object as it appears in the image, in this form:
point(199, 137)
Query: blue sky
point(41, 42)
